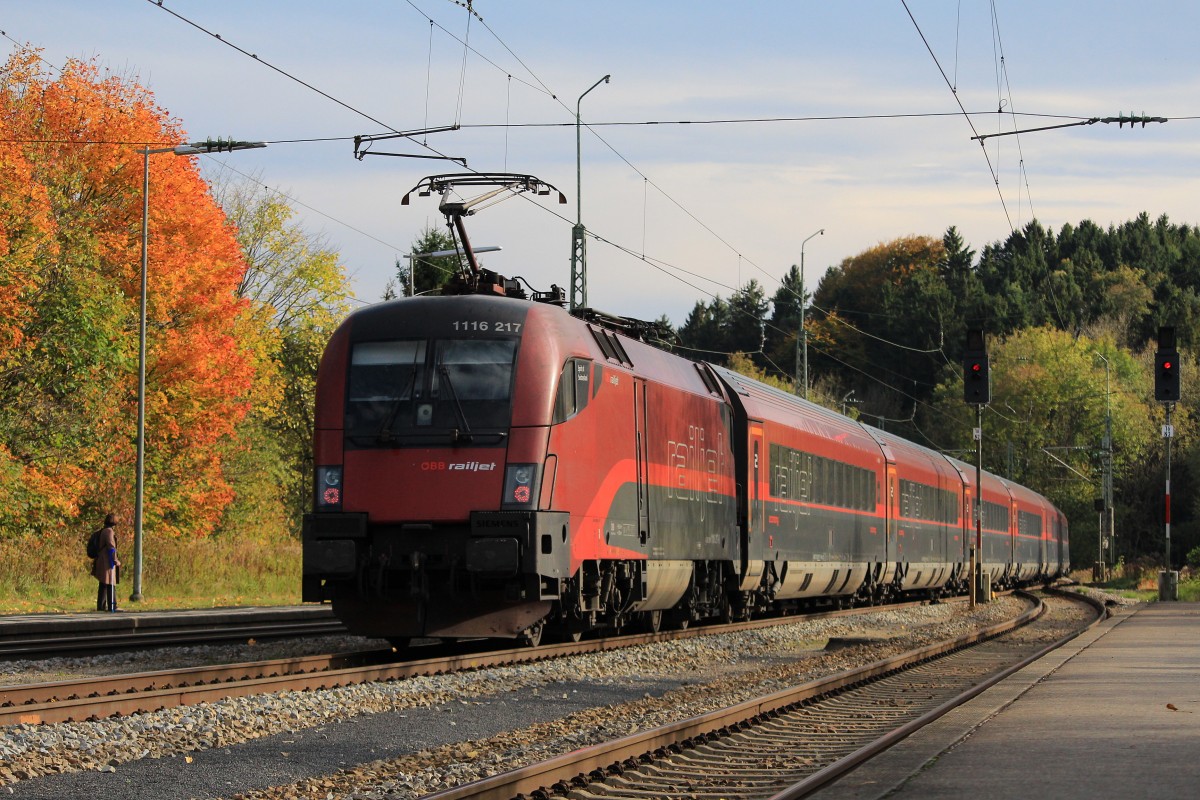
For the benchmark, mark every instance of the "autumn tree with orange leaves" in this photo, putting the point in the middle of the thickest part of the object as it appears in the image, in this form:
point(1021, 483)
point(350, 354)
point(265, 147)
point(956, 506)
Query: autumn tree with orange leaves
point(70, 228)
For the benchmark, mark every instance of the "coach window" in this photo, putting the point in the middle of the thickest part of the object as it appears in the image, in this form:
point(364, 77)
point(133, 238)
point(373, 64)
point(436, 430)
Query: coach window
point(574, 389)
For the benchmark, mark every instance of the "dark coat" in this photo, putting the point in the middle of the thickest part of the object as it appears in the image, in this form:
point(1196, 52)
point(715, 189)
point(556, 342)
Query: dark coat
point(105, 563)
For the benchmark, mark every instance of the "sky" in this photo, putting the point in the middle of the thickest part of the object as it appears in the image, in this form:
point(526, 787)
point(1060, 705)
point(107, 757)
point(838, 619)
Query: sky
point(775, 120)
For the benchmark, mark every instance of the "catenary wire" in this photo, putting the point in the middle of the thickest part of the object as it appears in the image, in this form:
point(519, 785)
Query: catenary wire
point(957, 100)
point(291, 77)
point(1002, 73)
point(159, 4)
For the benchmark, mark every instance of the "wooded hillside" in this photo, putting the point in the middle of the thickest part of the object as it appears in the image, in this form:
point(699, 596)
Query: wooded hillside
point(1071, 319)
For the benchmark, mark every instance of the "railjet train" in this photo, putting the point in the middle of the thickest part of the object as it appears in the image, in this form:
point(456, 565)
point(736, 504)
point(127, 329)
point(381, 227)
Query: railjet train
point(494, 466)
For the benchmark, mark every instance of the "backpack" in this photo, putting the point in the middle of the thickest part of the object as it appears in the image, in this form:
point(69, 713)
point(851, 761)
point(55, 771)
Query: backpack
point(93, 544)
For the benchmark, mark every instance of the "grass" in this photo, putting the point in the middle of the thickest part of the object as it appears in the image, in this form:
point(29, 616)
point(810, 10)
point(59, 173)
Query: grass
point(48, 576)
point(1143, 585)
point(1189, 591)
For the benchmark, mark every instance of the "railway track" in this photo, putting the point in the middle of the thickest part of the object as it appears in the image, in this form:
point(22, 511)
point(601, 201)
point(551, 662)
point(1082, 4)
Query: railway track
point(791, 743)
point(94, 698)
point(50, 636)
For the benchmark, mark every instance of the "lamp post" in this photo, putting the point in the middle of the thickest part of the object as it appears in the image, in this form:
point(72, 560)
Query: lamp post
point(802, 339)
point(578, 237)
point(191, 149)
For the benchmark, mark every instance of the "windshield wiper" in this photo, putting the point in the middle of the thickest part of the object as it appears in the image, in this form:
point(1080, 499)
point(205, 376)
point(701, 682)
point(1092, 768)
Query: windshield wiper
point(385, 433)
point(456, 435)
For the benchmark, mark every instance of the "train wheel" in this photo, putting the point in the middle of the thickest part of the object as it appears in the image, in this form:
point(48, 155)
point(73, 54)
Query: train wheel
point(654, 621)
point(533, 636)
point(679, 620)
point(568, 632)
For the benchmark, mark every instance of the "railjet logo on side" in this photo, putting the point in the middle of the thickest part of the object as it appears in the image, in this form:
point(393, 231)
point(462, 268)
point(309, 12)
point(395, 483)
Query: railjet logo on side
point(471, 466)
point(458, 466)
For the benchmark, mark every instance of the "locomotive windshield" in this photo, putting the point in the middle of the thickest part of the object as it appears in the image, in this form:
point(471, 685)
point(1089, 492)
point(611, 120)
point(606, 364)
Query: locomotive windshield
point(422, 391)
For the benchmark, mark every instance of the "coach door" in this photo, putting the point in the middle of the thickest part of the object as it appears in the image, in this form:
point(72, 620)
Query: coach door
point(965, 530)
point(756, 511)
point(642, 461)
point(886, 498)
point(894, 555)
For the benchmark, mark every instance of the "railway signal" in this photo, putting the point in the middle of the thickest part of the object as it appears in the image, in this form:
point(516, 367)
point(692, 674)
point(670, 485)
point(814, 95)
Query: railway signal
point(976, 379)
point(1166, 367)
point(1166, 377)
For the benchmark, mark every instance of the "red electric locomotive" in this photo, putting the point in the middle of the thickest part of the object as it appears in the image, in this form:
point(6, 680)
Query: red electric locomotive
point(491, 466)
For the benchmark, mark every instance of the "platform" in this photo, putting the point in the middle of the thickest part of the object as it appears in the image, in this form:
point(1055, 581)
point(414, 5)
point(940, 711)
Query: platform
point(1115, 713)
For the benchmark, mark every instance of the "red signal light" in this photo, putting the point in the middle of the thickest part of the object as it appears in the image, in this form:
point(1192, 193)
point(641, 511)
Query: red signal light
point(1166, 365)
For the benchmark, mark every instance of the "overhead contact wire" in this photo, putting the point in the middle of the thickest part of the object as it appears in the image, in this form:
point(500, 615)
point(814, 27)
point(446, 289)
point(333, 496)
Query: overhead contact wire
point(953, 91)
point(289, 76)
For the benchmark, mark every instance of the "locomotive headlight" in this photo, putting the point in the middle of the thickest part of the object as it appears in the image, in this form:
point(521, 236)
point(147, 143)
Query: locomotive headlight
point(520, 486)
point(329, 488)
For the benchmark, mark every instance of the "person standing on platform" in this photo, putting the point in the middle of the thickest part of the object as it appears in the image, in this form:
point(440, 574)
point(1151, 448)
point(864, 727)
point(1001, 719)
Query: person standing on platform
point(105, 566)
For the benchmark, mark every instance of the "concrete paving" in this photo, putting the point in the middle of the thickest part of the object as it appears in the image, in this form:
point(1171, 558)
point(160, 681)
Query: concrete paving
point(1115, 713)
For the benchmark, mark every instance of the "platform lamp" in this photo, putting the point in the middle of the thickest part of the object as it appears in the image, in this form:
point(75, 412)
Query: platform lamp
point(802, 334)
point(188, 149)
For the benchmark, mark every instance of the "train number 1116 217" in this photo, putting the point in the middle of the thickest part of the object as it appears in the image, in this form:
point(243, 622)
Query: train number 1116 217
point(485, 325)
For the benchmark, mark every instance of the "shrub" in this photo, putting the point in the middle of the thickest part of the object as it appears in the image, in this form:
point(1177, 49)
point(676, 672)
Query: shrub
point(1193, 557)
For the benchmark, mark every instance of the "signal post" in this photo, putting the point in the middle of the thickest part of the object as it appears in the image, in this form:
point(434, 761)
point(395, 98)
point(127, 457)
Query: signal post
point(977, 391)
point(1166, 391)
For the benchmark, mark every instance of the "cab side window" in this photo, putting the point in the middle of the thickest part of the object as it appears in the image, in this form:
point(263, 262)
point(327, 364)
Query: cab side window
point(574, 389)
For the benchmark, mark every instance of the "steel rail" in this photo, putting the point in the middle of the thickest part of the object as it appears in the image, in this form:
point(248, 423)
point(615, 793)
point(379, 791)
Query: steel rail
point(42, 637)
point(60, 691)
point(73, 645)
